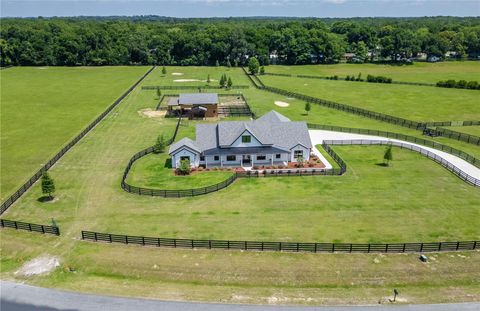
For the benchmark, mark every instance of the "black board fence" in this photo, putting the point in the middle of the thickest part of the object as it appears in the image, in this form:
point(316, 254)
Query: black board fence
point(344, 79)
point(188, 87)
point(282, 246)
point(223, 184)
point(18, 225)
point(471, 139)
point(449, 166)
point(17, 194)
point(358, 111)
point(456, 152)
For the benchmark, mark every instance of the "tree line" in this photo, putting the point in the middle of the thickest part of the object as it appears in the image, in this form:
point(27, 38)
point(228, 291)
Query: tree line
point(168, 41)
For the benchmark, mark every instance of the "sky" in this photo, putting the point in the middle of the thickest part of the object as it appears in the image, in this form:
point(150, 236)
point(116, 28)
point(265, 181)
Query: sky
point(227, 8)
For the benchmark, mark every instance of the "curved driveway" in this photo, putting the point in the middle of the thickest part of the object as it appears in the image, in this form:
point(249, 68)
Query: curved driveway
point(318, 136)
point(20, 297)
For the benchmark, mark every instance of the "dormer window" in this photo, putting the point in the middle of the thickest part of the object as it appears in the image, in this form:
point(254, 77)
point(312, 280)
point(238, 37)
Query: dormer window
point(246, 139)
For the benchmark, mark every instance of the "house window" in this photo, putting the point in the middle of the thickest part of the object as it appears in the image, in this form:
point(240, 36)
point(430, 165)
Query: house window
point(231, 158)
point(278, 156)
point(185, 158)
point(261, 157)
point(246, 139)
point(216, 158)
point(202, 158)
point(298, 154)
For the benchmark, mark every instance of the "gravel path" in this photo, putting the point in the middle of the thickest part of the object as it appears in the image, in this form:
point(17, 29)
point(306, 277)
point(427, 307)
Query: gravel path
point(318, 136)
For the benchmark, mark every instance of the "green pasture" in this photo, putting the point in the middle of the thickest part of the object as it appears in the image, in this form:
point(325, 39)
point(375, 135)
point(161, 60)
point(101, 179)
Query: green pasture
point(155, 171)
point(90, 197)
point(42, 108)
point(471, 130)
point(418, 72)
point(415, 199)
point(417, 103)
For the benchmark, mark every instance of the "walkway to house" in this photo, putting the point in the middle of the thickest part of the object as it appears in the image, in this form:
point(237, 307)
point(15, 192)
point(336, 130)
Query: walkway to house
point(318, 136)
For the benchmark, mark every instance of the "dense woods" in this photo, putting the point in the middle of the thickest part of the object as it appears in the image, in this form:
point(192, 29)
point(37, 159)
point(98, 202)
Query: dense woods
point(169, 41)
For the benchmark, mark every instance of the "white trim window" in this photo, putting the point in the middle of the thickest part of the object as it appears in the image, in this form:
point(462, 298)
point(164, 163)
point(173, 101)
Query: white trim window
point(297, 154)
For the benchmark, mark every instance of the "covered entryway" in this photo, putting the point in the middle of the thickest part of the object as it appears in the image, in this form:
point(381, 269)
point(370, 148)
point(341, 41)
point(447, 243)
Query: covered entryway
point(246, 160)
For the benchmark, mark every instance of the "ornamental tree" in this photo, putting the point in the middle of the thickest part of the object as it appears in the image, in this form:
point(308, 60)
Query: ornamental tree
point(48, 185)
point(253, 65)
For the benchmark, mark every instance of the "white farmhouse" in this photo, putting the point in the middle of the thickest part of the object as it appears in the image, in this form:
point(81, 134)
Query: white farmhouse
point(269, 140)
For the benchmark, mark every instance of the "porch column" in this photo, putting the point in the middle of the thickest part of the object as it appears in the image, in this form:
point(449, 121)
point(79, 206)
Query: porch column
point(251, 158)
point(272, 159)
point(206, 162)
point(221, 161)
point(241, 160)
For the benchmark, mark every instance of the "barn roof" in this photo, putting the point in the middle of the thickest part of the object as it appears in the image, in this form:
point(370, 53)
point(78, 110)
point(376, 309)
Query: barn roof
point(198, 98)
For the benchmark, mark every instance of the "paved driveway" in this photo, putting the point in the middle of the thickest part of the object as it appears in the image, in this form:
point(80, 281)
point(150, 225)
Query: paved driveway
point(318, 136)
point(19, 297)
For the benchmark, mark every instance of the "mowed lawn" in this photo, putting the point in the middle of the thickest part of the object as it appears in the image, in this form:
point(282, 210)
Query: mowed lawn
point(154, 171)
point(471, 130)
point(261, 102)
point(415, 199)
point(418, 72)
point(44, 107)
point(418, 103)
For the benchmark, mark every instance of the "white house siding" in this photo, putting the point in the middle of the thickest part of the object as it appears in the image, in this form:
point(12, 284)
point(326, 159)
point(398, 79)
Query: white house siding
point(184, 152)
point(306, 153)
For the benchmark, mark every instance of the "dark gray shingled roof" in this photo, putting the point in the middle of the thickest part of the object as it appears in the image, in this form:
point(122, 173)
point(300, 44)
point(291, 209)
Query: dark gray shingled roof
point(273, 116)
point(184, 142)
point(275, 131)
point(198, 98)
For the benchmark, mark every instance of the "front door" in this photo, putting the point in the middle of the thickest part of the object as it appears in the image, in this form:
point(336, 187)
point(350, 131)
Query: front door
point(246, 159)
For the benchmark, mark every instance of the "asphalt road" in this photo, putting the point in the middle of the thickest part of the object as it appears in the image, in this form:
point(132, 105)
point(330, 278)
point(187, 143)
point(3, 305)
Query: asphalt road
point(20, 297)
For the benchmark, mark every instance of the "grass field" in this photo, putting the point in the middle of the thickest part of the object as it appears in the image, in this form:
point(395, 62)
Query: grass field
point(416, 103)
point(471, 130)
point(44, 107)
point(418, 72)
point(154, 171)
point(413, 200)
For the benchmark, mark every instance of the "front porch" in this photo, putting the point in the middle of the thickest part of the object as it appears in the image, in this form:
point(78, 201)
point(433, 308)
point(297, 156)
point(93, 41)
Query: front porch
point(246, 161)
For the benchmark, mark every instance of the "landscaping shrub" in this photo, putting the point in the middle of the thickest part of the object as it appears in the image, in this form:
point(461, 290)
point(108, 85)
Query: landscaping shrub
point(184, 168)
point(378, 79)
point(461, 84)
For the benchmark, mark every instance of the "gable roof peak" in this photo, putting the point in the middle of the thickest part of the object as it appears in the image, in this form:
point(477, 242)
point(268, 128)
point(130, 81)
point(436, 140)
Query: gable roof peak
point(273, 116)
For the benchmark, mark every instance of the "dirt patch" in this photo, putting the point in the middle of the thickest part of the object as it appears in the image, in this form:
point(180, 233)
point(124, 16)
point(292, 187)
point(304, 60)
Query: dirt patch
point(186, 80)
point(150, 113)
point(177, 73)
point(281, 104)
point(40, 265)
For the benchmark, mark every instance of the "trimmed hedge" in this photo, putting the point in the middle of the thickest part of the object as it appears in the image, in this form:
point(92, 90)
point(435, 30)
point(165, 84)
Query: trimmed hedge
point(378, 79)
point(460, 84)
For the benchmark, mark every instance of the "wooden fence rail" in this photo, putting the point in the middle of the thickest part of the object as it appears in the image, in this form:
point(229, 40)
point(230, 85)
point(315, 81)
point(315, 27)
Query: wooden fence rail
point(223, 184)
point(451, 167)
point(4, 223)
point(187, 87)
point(355, 110)
point(456, 152)
point(471, 139)
point(17, 194)
point(283, 246)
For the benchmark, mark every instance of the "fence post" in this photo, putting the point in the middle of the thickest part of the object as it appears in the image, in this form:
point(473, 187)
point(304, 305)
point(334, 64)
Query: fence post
point(110, 238)
point(421, 247)
point(458, 245)
point(95, 236)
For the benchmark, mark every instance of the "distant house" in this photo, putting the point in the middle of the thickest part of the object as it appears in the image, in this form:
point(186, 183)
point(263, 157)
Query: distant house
point(195, 105)
point(433, 59)
point(269, 140)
